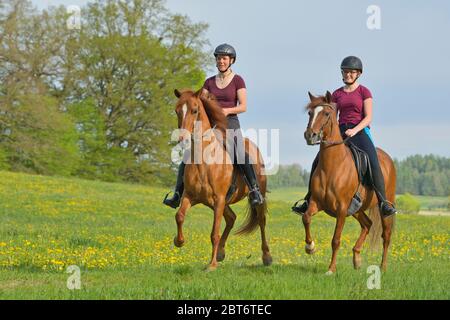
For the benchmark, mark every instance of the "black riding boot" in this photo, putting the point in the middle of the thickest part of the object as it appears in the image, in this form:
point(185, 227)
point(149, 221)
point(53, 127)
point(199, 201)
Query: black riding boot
point(174, 202)
point(301, 209)
point(386, 208)
point(255, 196)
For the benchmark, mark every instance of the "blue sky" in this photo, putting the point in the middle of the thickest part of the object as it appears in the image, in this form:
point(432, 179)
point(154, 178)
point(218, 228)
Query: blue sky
point(287, 48)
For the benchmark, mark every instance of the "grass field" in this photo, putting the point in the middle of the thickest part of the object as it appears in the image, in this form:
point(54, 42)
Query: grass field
point(121, 237)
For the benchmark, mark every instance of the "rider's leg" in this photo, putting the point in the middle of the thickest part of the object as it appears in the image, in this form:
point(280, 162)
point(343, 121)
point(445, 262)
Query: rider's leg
point(301, 209)
point(174, 201)
point(364, 142)
point(243, 161)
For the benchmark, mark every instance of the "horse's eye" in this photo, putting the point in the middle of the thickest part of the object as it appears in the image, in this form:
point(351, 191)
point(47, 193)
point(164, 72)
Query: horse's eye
point(310, 112)
point(195, 111)
point(327, 114)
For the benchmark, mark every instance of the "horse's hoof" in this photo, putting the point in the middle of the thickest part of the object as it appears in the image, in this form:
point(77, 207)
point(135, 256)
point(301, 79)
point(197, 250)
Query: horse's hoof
point(329, 273)
point(267, 260)
point(210, 268)
point(220, 256)
point(178, 243)
point(357, 262)
point(310, 248)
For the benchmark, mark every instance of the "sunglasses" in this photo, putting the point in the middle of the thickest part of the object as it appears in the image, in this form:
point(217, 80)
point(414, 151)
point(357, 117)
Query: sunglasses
point(349, 71)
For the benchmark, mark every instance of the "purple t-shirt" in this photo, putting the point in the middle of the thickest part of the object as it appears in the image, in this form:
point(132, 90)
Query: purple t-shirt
point(227, 97)
point(351, 104)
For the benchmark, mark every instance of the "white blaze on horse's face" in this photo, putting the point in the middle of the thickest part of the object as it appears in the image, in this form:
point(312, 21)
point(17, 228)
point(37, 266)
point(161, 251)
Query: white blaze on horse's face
point(184, 109)
point(317, 110)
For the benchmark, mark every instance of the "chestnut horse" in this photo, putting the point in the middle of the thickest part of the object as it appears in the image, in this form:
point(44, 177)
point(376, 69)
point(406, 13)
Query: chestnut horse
point(335, 180)
point(207, 182)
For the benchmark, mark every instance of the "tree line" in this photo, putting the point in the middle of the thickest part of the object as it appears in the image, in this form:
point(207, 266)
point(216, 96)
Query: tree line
point(427, 175)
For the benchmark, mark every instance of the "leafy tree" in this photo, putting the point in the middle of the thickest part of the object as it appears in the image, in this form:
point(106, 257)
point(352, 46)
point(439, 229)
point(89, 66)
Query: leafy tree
point(289, 176)
point(35, 135)
point(425, 175)
point(408, 204)
point(132, 54)
point(96, 102)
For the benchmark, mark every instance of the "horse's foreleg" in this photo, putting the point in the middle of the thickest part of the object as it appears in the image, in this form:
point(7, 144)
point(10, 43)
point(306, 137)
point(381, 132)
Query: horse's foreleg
point(336, 242)
point(230, 218)
point(365, 223)
point(179, 217)
point(219, 207)
point(310, 247)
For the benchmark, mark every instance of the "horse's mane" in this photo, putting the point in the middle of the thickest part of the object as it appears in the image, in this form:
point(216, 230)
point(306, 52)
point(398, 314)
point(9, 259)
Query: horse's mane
point(214, 112)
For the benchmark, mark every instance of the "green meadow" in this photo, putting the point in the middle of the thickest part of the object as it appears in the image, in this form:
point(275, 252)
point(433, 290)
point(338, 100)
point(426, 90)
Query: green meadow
point(121, 238)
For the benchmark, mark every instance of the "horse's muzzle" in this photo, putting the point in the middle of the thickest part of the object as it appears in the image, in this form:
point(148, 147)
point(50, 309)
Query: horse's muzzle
point(312, 138)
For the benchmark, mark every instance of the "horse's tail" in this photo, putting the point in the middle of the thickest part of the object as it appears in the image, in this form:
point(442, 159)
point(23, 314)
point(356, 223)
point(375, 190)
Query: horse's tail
point(255, 215)
point(376, 229)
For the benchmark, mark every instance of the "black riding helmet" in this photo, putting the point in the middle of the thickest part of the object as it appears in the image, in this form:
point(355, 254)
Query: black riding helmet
point(225, 50)
point(353, 63)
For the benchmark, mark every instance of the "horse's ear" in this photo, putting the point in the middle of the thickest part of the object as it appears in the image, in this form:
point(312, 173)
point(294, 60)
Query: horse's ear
point(199, 93)
point(328, 97)
point(311, 97)
point(177, 93)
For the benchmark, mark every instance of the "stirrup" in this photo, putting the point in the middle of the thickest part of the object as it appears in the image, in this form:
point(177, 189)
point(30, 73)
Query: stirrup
point(392, 208)
point(298, 209)
point(255, 196)
point(355, 204)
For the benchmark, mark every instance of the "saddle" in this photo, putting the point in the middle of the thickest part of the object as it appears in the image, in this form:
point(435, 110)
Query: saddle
point(362, 164)
point(364, 171)
point(233, 185)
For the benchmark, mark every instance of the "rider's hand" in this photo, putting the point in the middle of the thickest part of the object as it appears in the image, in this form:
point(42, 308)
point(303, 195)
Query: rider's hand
point(225, 111)
point(351, 132)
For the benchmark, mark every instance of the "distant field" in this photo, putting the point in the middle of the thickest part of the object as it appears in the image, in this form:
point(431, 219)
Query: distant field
point(433, 203)
point(121, 238)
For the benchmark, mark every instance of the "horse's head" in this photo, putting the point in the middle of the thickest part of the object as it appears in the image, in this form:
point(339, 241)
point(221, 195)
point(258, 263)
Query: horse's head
point(197, 107)
point(322, 114)
point(188, 109)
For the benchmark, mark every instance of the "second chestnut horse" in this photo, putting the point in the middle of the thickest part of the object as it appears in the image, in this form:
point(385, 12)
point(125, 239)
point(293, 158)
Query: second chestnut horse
point(335, 181)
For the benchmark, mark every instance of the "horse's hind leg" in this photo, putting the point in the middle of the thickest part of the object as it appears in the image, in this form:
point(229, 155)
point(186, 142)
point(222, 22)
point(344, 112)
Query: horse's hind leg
point(365, 223)
point(387, 224)
point(230, 218)
point(179, 217)
point(266, 257)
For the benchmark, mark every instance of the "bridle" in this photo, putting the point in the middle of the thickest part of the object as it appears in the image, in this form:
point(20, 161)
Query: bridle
point(207, 132)
point(325, 142)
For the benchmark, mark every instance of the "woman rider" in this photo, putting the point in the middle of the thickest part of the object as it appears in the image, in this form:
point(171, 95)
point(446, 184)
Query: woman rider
point(231, 93)
point(354, 103)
